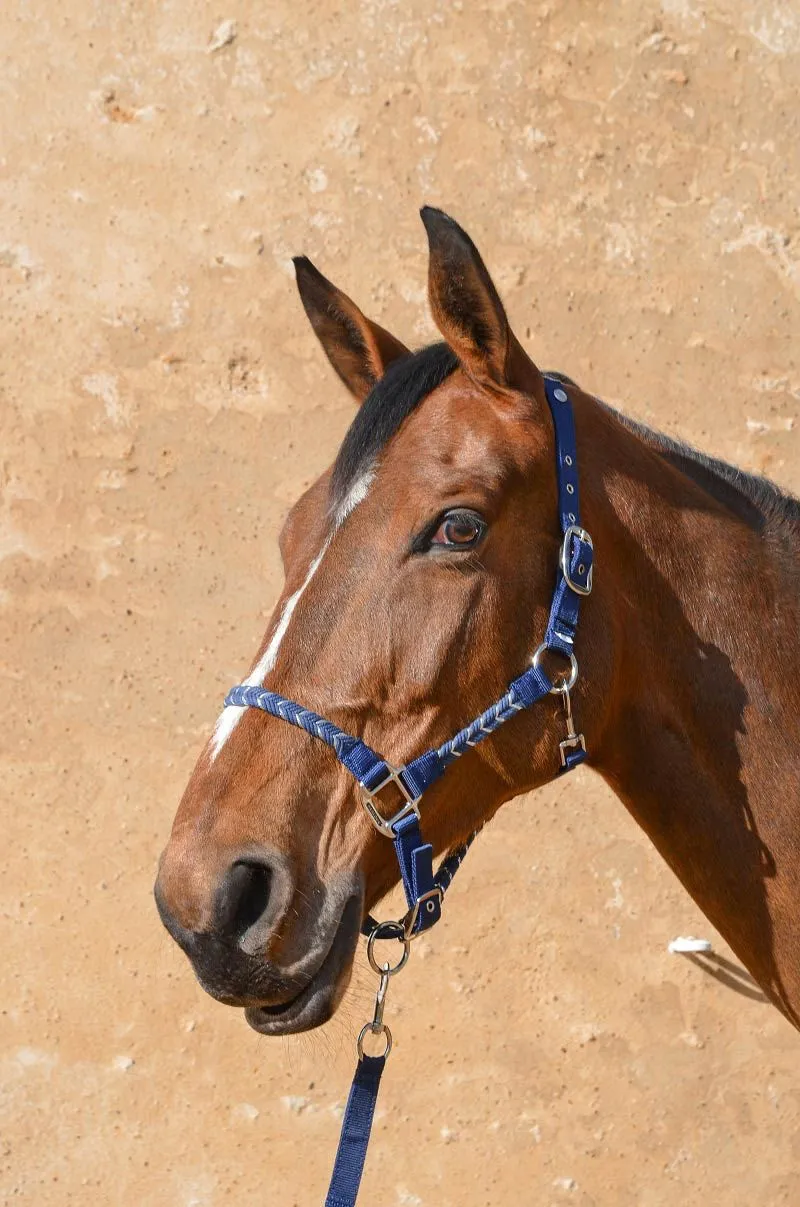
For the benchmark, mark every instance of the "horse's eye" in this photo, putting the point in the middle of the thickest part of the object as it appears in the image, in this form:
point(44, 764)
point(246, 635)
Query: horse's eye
point(458, 530)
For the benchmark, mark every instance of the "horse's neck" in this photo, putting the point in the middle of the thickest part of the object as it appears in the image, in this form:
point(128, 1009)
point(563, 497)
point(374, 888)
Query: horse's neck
point(700, 735)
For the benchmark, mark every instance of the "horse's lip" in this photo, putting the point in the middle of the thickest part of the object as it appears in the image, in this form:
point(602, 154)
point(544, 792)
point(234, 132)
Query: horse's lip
point(317, 1001)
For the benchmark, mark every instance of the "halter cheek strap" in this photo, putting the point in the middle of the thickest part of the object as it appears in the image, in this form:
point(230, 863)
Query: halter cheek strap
point(425, 889)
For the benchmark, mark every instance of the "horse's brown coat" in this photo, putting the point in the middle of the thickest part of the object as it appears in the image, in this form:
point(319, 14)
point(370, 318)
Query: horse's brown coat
point(686, 648)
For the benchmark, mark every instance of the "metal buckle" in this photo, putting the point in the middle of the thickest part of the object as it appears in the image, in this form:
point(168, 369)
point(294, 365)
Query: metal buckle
point(382, 824)
point(410, 920)
point(575, 530)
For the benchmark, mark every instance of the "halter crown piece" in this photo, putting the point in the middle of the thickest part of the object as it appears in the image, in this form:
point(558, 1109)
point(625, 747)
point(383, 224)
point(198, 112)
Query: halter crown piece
point(425, 890)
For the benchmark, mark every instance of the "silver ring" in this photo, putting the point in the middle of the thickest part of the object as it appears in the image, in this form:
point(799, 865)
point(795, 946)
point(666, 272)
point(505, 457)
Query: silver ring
point(393, 930)
point(558, 689)
point(383, 1030)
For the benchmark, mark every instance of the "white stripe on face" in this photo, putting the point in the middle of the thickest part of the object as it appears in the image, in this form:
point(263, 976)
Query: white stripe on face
point(230, 716)
point(355, 495)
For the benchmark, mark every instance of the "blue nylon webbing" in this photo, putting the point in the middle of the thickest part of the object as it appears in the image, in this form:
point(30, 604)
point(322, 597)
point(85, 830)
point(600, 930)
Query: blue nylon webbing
point(356, 1127)
point(414, 856)
point(367, 767)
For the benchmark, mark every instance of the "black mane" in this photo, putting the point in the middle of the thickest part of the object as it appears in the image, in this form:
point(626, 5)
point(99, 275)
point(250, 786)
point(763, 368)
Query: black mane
point(392, 399)
point(755, 499)
point(408, 381)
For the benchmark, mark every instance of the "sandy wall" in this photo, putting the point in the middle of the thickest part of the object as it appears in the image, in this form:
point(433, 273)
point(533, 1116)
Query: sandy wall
point(631, 172)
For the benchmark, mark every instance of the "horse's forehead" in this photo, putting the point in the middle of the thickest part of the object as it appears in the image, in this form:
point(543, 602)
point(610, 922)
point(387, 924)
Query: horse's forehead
point(459, 427)
point(458, 433)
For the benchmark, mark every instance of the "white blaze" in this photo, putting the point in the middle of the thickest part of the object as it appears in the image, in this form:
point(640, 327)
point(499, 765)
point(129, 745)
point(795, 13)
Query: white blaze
point(355, 495)
point(230, 716)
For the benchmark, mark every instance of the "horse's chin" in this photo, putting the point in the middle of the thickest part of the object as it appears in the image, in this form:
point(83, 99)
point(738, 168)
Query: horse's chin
point(319, 998)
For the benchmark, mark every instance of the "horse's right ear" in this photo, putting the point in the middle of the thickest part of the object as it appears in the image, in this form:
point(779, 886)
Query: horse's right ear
point(359, 350)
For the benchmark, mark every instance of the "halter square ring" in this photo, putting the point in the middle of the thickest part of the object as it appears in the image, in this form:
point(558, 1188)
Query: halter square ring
point(581, 535)
point(385, 825)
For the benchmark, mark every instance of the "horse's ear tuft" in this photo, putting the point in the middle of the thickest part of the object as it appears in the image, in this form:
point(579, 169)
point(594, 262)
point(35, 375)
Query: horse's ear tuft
point(359, 350)
point(466, 306)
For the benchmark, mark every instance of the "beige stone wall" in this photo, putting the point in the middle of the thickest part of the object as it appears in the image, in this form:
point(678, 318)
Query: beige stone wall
point(630, 171)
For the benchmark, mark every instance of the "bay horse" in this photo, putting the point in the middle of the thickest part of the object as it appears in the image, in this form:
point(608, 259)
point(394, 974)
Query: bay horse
point(418, 576)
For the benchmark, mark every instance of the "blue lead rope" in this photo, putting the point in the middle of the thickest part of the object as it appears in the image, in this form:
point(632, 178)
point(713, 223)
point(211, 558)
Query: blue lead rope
point(425, 890)
point(356, 1127)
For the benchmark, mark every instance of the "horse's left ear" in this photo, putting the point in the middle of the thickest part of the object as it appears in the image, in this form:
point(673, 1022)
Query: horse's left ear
point(467, 309)
point(359, 350)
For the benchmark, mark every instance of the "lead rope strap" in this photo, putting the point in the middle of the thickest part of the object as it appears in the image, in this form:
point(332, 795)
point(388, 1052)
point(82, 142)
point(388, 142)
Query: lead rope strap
point(354, 1139)
point(356, 1127)
point(358, 1114)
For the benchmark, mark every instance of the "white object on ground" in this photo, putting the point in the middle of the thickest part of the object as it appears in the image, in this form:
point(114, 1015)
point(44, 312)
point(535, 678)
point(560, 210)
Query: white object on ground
point(223, 35)
point(685, 944)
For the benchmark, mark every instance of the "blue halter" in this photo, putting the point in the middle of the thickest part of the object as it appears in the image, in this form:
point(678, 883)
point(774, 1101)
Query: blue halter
point(425, 890)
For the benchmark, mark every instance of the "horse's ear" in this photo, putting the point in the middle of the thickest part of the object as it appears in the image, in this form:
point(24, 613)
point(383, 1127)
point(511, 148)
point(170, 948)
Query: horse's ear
point(467, 309)
point(359, 350)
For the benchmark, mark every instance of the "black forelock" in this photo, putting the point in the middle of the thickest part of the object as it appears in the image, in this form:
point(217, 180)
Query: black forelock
point(411, 378)
point(391, 400)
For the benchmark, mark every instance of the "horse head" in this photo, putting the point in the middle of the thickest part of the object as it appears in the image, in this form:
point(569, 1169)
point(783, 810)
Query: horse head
point(418, 576)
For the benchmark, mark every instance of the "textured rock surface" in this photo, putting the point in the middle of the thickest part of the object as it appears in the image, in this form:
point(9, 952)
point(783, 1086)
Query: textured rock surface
point(631, 172)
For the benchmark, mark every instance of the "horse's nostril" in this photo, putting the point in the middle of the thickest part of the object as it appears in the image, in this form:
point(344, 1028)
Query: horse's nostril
point(243, 898)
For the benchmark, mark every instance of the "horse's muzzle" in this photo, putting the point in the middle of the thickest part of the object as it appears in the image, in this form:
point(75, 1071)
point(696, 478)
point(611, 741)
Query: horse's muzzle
point(236, 950)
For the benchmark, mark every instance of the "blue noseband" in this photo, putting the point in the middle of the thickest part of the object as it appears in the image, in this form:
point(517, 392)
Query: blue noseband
point(425, 890)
